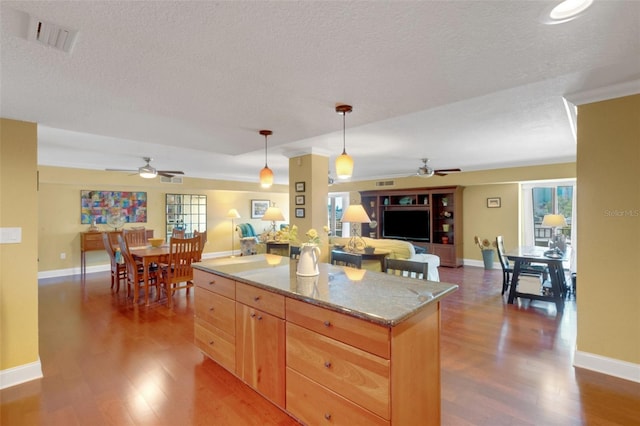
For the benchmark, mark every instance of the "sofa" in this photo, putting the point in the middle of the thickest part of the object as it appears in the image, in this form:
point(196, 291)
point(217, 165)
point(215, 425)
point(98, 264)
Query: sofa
point(398, 249)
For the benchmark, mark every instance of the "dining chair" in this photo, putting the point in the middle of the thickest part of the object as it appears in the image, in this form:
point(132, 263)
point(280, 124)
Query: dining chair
point(178, 273)
point(507, 271)
point(294, 252)
point(347, 259)
point(135, 237)
point(118, 269)
point(203, 240)
point(135, 271)
point(177, 233)
point(407, 268)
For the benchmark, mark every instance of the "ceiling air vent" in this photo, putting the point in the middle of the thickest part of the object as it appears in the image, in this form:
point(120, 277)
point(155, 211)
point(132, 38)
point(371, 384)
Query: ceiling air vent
point(175, 179)
point(51, 35)
point(385, 183)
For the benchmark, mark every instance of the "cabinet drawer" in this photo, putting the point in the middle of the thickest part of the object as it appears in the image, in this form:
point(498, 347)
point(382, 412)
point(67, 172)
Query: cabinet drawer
point(260, 299)
point(215, 283)
point(356, 332)
point(314, 404)
point(217, 344)
point(92, 241)
point(216, 310)
point(355, 374)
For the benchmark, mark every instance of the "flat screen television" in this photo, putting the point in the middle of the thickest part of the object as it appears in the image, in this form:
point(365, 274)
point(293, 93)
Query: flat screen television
point(406, 224)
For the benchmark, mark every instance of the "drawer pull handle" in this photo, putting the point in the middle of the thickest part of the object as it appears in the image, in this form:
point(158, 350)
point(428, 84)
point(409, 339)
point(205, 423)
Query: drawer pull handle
point(327, 323)
point(253, 315)
point(212, 282)
point(327, 416)
point(211, 309)
point(211, 343)
point(327, 364)
point(257, 298)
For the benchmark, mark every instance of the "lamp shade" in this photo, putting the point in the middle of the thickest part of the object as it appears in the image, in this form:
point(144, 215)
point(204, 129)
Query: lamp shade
point(147, 172)
point(554, 220)
point(266, 177)
point(273, 214)
point(355, 214)
point(344, 166)
point(233, 214)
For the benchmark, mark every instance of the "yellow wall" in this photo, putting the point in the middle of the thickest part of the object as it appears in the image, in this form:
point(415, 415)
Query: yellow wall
point(18, 262)
point(59, 213)
point(609, 229)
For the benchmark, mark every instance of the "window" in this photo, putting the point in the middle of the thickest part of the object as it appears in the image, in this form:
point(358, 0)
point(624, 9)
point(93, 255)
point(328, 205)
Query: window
point(551, 200)
point(335, 208)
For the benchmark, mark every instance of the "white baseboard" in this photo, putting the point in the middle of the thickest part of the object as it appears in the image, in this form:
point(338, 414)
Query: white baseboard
point(479, 263)
point(609, 366)
point(20, 374)
point(55, 273)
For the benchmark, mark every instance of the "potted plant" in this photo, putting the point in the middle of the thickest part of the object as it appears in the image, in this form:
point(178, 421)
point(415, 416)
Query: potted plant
point(486, 247)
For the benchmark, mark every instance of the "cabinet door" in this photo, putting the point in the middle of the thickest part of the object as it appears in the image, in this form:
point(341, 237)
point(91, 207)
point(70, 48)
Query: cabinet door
point(446, 252)
point(260, 352)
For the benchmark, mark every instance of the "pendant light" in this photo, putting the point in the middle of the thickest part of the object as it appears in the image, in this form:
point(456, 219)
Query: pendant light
point(266, 175)
point(344, 163)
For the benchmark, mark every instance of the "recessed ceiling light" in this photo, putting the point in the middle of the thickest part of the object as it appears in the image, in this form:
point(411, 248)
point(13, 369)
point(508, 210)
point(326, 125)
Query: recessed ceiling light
point(565, 11)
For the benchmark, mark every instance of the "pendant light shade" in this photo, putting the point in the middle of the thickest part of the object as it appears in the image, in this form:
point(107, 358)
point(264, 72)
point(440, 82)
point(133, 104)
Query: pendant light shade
point(266, 174)
point(344, 163)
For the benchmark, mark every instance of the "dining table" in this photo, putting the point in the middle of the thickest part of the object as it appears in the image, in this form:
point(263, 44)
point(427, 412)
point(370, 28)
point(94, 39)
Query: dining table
point(149, 255)
point(525, 255)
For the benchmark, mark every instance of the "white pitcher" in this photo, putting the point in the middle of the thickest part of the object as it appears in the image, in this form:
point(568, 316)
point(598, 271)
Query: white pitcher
point(308, 262)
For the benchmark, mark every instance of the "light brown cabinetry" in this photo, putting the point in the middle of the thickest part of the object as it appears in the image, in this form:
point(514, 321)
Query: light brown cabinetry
point(260, 341)
point(444, 205)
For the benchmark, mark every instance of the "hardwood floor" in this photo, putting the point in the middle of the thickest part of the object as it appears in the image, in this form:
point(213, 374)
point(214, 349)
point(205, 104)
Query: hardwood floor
point(106, 362)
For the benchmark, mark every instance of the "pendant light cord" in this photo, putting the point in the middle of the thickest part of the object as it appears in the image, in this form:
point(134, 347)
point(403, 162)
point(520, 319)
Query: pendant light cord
point(265, 150)
point(344, 143)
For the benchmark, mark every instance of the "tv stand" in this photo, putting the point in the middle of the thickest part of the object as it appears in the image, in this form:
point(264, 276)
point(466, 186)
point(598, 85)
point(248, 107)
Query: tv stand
point(445, 207)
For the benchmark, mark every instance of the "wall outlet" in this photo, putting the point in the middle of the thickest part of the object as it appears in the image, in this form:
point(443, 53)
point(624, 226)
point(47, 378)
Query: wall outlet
point(63, 256)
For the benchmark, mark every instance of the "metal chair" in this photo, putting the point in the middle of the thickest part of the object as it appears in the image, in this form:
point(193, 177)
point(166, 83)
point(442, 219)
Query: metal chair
point(530, 270)
point(347, 259)
point(294, 252)
point(407, 268)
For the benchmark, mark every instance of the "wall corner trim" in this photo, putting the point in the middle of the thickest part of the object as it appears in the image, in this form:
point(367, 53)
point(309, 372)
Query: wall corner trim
point(20, 374)
point(609, 366)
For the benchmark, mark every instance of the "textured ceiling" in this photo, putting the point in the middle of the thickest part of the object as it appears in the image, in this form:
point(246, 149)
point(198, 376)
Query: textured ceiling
point(470, 84)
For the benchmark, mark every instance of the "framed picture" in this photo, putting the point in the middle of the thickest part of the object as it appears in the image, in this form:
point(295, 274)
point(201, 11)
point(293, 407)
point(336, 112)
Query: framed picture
point(493, 203)
point(258, 207)
point(299, 186)
point(100, 205)
point(299, 200)
point(299, 212)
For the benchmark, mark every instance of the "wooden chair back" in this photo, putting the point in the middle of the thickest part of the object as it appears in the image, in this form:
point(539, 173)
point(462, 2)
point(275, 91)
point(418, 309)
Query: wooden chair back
point(135, 237)
point(203, 240)
point(347, 259)
point(177, 233)
point(294, 252)
point(179, 272)
point(118, 269)
point(407, 268)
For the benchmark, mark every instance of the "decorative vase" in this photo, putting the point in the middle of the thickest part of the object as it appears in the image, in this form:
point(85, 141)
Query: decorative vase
point(308, 261)
point(369, 250)
point(487, 258)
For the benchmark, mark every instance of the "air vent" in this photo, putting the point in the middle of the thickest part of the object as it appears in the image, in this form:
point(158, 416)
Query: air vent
point(51, 35)
point(175, 179)
point(385, 183)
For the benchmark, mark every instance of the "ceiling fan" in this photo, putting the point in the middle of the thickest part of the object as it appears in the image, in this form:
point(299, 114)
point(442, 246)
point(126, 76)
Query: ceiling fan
point(426, 171)
point(149, 172)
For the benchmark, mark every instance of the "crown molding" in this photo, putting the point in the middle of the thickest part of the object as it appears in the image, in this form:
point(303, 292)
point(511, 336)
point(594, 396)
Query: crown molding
point(604, 93)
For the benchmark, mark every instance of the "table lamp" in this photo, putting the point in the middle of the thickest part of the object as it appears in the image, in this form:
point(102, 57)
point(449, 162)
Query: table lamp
point(355, 213)
point(273, 214)
point(555, 221)
point(233, 214)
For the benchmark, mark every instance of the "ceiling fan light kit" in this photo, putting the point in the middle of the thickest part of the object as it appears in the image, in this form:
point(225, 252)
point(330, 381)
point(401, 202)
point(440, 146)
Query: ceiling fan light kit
point(266, 174)
point(426, 172)
point(344, 162)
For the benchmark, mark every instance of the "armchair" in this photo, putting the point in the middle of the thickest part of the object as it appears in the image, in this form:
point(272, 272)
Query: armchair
point(248, 239)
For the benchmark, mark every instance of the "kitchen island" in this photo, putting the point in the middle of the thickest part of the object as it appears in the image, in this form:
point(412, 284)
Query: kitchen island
point(347, 346)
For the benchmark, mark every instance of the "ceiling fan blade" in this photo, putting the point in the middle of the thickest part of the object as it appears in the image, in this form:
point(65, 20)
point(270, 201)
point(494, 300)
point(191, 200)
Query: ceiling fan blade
point(444, 172)
point(121, 170)
point(173, 172)
point(165, 174)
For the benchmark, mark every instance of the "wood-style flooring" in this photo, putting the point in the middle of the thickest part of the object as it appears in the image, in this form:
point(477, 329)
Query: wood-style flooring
point(106, 362)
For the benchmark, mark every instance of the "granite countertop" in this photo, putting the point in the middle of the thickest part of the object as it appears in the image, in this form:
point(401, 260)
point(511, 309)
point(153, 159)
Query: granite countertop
point(380, 298)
